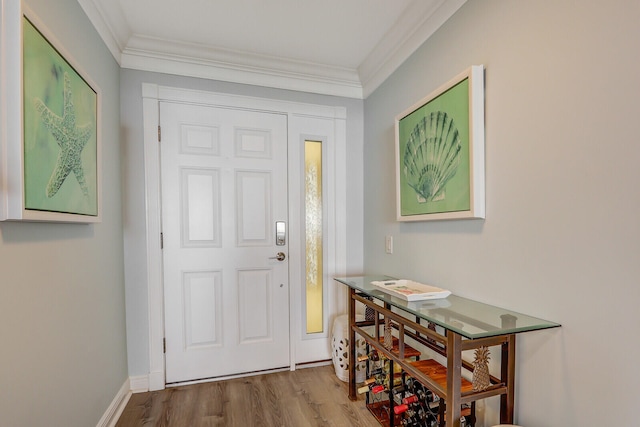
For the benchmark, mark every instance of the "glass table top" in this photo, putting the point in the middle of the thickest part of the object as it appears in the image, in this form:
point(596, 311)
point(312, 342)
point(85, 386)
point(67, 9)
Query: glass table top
point(469, 318)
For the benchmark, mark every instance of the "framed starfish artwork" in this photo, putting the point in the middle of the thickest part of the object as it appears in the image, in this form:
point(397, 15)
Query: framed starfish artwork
point(55, 173)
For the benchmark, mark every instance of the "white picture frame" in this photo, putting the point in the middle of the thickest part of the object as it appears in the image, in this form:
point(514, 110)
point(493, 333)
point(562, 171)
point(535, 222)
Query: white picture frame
point(439, 150)
point(71, 191)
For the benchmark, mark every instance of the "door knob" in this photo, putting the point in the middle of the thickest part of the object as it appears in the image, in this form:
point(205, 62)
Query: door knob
point(280, 256)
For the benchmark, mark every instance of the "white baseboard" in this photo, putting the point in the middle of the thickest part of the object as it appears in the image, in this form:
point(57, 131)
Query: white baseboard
point(111, 416)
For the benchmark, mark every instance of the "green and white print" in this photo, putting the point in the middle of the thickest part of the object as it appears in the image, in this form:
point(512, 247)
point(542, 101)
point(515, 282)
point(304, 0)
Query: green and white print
point(60, 131)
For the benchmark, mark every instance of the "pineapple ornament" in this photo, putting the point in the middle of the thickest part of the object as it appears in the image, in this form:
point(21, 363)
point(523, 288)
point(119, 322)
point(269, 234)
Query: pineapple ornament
point(481, 379)
point(388, 338)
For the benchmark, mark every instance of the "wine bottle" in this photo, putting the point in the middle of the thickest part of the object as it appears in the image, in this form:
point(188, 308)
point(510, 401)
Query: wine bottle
point(410, 399)
point(363, 389)
point(399, 389)
point(374, 388)
point(409, 419)
point(400, 409)
point(369, 381)
point(378, 388)
point(410, 414)
point(396, 378)
point(422, 395)
point(373, 356)
point(425, 417)
point(377, 371)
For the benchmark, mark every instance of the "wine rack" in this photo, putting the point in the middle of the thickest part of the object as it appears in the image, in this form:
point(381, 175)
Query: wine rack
point(446, 328)
point(402, 390)
point(396, 399)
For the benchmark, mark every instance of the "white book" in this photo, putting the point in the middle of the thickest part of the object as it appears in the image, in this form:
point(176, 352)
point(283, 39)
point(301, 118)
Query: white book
point(409, 290)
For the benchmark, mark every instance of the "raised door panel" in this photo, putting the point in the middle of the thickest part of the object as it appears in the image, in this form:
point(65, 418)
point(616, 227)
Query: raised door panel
point(200, 198)
point(202, 299)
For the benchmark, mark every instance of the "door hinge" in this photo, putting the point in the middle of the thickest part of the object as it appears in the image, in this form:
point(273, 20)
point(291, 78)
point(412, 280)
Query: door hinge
point(161, 240)
point(159, 134)
point(164, 345)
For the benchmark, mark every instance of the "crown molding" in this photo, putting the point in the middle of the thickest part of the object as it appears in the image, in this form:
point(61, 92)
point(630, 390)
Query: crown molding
point(112, 29)
point(203, 61)
point(419, 21)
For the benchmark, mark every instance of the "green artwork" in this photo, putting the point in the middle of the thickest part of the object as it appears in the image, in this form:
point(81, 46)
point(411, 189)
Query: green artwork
point(60, 131)
point(434, 155)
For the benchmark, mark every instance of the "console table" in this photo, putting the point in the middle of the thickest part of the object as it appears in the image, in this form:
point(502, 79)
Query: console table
point(448, 327)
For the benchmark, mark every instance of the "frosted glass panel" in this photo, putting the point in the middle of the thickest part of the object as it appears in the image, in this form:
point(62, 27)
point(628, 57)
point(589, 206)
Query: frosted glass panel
point(313, 234)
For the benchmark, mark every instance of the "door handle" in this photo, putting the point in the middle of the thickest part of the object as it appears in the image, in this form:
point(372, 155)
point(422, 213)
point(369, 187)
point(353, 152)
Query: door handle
point(280, 256)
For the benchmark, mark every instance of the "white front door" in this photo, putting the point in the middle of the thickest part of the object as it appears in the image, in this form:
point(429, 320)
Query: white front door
point(224, 188)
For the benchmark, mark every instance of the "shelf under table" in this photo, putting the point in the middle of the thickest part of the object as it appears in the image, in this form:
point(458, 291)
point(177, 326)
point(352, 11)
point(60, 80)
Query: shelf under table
point(438, 373)
point(408, 350)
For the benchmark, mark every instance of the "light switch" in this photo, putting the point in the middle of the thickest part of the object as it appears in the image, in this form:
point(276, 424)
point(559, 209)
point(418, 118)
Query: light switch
point(388, 244)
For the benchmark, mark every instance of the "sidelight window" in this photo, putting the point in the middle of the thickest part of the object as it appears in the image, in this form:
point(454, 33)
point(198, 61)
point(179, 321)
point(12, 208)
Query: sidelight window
point(313, 232)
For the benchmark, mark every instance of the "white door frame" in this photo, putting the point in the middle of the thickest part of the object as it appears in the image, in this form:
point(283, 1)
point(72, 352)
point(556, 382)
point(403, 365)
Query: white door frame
point(335, 198)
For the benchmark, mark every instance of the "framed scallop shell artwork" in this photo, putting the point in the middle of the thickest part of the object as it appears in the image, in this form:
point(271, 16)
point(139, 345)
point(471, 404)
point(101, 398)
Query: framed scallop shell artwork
point(439, 144)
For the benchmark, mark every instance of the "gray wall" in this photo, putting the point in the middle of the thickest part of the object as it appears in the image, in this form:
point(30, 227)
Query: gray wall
point(62, 311)
point(134, 196)
point(561, 239)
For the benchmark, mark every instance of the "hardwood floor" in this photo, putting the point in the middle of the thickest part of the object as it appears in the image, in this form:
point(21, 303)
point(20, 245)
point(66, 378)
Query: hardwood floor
point(305, 397)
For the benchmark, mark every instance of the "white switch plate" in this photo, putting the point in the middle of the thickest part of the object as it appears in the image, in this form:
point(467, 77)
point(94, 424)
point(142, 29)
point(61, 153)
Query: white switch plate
point(388, 244)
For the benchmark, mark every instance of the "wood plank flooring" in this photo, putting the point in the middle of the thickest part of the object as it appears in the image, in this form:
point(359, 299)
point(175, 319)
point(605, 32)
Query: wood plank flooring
point(305, 397)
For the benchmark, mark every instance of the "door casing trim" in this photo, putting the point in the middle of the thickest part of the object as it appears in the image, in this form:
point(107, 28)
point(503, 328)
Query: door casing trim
point(152, 94)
